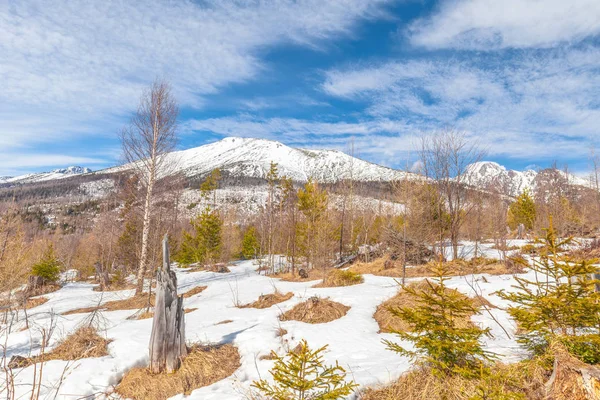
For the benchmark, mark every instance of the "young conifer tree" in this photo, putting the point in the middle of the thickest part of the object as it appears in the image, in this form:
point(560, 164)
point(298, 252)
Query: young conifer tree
point(301, 375)
point(560, 303)
point(440, 338)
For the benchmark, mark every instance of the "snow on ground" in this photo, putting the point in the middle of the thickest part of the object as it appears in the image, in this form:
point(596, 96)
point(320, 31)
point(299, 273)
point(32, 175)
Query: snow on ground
point(353, 339)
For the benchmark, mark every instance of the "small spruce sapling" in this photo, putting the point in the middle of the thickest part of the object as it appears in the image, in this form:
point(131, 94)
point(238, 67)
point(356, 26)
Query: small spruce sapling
point(560, 303)
point(301, 375)
point(48, 268)
point(441, 342)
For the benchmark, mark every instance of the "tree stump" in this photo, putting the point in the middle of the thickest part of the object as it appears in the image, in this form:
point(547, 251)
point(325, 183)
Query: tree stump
point(167, 342)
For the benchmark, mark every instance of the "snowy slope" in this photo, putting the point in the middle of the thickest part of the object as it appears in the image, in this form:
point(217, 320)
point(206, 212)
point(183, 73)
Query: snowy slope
point(46, 176)
point(249, 157)
point(488, 175)
point(353, 340)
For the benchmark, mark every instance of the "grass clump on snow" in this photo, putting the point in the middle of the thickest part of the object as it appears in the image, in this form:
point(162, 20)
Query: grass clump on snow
point(315, 310)
point(132, 303)
point(269, 300)
point(194, 291)
point(337, 278)
point(203, 366)
point(389, 323)
point(83, 343)
point(478, 265)
point(523, 380)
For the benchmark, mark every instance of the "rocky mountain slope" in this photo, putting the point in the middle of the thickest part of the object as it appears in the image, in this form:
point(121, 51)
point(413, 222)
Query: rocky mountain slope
point(251, 158)
point(491, 176)
point(45, 176)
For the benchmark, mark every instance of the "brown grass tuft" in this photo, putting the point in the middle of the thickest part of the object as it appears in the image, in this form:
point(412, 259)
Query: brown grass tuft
point(36, 301)
point(479, 265)
point(269, 300)
point(225, 321)
point(194, 291)
point(281, 332)
point(388, 322)
point(313, 275)
point(525, 379)
point(83, 343)
point(315, 310)
point(132, 303)
point(203, 366)
point(337, 278)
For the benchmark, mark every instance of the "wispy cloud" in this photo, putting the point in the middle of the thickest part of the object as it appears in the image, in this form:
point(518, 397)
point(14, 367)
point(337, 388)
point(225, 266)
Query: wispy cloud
point(492, 24)
point(522, 99)
point(79, 67)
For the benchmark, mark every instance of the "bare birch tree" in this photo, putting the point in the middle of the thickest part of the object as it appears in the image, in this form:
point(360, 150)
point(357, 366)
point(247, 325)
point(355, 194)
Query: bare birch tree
point(445, 156)
point(146, 141)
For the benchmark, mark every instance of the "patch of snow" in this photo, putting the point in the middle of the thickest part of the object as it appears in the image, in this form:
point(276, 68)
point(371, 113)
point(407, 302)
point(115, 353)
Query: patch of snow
point(353, 340)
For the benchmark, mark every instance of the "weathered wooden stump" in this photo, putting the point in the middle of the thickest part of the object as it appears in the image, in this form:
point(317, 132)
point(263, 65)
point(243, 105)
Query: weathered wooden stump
point(167, 342)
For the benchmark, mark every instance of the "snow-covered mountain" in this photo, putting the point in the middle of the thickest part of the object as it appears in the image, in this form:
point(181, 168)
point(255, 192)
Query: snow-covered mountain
point(247, 157)
point(45, 176)
point(491, 176)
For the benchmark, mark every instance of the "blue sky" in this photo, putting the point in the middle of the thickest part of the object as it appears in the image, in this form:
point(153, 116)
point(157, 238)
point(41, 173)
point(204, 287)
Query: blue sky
point(522, 77)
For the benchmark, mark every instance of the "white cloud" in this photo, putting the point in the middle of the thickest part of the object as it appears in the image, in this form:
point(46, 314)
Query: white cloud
point(72, 65)
point(16, 163)
point(548, 94)
point(493, 24)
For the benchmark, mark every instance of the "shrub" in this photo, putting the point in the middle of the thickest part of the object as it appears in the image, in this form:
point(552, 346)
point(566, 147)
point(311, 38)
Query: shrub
point(440, 341)
point(301, 375)
point(562, 306)
point(339, 277)
point(48, 268)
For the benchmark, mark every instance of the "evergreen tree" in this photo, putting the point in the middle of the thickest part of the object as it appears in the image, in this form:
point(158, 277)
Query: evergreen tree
point(301, 375)
point(48, 268)
point(560, 303)
point(210, 185)
point(313, 231)
point(203, 245)
point(522, 211)
point(250, 244)
point(440, 341)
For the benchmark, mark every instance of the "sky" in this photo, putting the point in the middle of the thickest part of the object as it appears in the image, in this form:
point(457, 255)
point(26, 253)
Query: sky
point(520, 77)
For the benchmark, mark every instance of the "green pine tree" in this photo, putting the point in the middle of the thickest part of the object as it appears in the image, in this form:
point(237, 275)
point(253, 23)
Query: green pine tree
point(301, 375)
point(48, 268)
point(312, 231)
point(522, 211)
point(210, 185)
point(439, 339)
point(203, 244)
point(560, 302)
point(250, 244)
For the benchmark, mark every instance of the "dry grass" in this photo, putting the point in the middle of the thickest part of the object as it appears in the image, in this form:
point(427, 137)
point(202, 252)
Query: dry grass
point(281, 332)
point(388, 322)
point(194, 291)
point(526, 379)
point(82, 310)
point(35, 302)
point(315, 311)
point(83, 343)
point(203, 366)
point(479, 265)
point(337, 278)
point(225, 321)
point(150, 313)
point(132, 303)
point(269, 300)
point(43, 289)
point(313, 275)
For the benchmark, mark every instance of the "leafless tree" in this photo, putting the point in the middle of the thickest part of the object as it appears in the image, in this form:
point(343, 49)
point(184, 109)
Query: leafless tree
point(445, 155)
point(146, 142)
